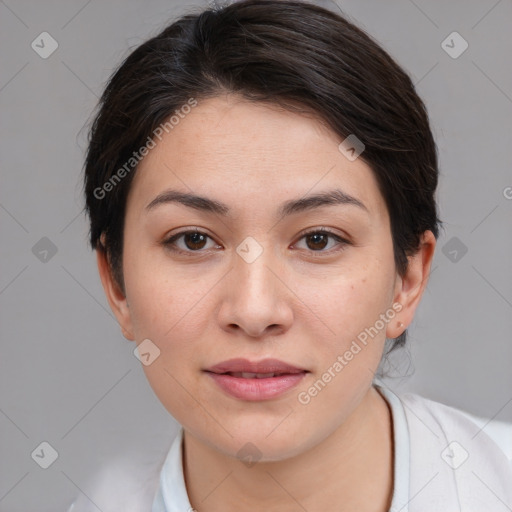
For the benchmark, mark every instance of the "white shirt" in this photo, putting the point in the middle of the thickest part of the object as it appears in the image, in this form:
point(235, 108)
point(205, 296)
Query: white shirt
point(445, 460)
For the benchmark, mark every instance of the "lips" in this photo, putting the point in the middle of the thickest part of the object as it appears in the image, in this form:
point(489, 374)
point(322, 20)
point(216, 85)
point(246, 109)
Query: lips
point(253, 381)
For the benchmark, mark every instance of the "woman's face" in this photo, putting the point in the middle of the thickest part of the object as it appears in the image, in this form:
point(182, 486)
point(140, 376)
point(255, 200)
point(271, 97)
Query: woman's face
point(251, 285)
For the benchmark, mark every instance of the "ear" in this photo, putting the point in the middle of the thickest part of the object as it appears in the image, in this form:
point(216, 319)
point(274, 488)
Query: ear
point(409, 288)
point(115, 296)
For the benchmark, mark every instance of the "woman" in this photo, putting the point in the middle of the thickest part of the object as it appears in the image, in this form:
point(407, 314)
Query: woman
point(260, 183)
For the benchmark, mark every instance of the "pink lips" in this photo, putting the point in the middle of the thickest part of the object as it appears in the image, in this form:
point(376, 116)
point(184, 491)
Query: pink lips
point(254, 381)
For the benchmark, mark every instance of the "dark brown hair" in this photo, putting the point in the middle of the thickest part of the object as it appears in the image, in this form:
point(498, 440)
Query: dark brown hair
point(296, 54)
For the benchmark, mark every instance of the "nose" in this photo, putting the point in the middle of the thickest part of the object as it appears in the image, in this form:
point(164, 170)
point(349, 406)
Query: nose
point(256, 299)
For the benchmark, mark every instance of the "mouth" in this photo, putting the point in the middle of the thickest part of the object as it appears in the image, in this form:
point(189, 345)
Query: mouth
point(253, 381)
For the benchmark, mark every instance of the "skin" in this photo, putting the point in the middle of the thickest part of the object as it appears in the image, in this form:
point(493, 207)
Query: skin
point(301, 301)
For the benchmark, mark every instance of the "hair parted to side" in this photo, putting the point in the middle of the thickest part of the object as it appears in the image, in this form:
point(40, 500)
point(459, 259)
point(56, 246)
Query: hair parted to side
point(296, 54)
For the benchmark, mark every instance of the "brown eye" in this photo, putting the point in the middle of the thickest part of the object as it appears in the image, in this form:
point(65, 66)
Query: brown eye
point(317, 241)
point(188, 242)
point(194, 241)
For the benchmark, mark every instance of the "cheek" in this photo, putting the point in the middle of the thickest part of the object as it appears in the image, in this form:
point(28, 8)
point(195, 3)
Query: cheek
point(348, 343)
point(170, 310)
point(162, 296)
point(350, 303)
point(174, 311)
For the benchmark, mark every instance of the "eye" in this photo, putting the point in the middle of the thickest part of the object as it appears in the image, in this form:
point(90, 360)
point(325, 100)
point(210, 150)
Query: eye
point(193, 241)
point(318, 239)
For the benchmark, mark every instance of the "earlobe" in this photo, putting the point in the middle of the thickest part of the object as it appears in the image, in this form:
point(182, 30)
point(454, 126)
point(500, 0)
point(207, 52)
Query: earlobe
point(115, 296)
point(410, 287)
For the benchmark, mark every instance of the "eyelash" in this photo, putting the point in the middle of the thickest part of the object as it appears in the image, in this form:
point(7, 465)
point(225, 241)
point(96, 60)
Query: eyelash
point(169, 243)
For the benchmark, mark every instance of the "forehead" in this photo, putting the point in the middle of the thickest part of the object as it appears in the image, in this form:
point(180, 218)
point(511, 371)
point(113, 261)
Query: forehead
point(250, 155)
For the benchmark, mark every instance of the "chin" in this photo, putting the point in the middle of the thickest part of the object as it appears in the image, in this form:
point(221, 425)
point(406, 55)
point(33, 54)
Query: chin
point(261, 442)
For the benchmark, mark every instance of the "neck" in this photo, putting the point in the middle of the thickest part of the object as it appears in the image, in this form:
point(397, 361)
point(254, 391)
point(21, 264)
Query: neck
point(352, 468)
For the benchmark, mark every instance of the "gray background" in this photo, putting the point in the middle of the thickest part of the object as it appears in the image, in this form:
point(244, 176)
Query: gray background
point(67, 375)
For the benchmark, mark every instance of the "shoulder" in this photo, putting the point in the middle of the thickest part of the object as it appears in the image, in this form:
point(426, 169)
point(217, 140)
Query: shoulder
point(456, 422)
point(121, 485)
point(464, 460)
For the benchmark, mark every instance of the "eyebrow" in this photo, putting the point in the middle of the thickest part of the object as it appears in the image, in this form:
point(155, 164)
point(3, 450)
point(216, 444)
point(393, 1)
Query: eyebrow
point(329, 198)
